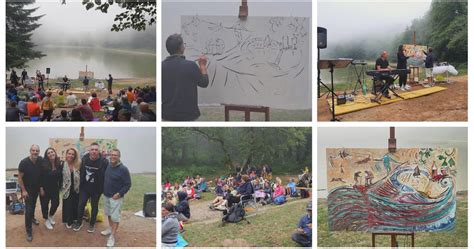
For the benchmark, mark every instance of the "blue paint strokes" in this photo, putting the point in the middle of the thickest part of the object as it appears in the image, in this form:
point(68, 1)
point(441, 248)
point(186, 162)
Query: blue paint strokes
point(390, 205)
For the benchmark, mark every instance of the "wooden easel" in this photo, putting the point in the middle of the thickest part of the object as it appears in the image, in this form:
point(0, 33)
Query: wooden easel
point(414, 76)
point(392, 148)
point(247, 109)
point(243, 10)
point(81, 136)
point(393, 237)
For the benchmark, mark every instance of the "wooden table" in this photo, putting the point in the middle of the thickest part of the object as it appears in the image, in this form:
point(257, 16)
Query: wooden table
point(393, 237)
point(247, 109)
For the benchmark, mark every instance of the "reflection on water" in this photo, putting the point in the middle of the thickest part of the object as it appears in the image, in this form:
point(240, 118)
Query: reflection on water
point(70, 60)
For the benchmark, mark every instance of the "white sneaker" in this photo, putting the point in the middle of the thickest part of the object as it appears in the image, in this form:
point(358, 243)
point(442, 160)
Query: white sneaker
point(407, 87)
point(111, 241)
point(426, 85)
point(48, 225)
point(403, 89)
point(106, 232)
point(51, 220)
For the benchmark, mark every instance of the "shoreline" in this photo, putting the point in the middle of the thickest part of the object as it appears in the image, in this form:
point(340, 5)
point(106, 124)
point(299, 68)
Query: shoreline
point(150, 53)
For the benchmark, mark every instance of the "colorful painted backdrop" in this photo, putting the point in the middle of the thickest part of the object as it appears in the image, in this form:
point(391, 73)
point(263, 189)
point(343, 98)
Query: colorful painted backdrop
point(62, 144)
point(373, 190)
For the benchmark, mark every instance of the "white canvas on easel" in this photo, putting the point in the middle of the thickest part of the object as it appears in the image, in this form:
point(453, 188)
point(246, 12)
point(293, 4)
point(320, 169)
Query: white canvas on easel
point(259, 61)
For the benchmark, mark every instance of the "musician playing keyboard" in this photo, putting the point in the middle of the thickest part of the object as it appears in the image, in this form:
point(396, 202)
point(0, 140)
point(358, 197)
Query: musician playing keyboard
point(381, 64)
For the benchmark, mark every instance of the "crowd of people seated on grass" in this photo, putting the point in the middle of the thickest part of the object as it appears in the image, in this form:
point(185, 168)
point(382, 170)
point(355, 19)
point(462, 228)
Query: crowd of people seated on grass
point(234, 188)
point(35, 104)
point(230, 190)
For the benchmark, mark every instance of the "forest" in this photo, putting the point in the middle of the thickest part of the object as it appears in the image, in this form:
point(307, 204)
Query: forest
point(443, 27)
point(214, 151)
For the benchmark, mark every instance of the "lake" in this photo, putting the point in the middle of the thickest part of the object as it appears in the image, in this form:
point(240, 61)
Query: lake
point(70, 60)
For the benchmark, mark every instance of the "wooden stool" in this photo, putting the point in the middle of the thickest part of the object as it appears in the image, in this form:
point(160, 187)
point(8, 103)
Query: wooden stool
point(247, 109)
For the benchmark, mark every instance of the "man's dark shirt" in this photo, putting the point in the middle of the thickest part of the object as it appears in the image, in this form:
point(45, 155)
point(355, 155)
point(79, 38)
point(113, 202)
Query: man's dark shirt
point(180, 79)
point(31, 173)
point(429, 60)
point(382, 63)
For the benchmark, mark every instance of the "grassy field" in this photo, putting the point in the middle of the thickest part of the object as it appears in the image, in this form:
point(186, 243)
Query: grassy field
point(455, 238)
point(273, 227)
point(216, 113)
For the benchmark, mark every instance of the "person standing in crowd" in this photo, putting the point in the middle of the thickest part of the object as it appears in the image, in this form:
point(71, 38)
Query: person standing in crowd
point(24, 76)
point(29, 178)
point(303, 234)
point(85, 82)
point(93, 167)
point(117, 183)
point(109, 85)
point(14, 78)
point(51, 179)
point(70, 187)
point(47, 105)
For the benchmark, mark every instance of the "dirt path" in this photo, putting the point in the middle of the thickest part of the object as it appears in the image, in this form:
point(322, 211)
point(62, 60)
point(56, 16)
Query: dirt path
point(201, 214)
point(448, 105)
point(133, 232)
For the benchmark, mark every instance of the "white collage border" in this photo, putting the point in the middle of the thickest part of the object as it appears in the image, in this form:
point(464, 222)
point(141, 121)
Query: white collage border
point(313, 123)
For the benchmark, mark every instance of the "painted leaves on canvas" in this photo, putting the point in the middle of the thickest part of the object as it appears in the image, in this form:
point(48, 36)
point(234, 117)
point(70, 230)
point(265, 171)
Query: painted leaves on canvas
point(410, 190)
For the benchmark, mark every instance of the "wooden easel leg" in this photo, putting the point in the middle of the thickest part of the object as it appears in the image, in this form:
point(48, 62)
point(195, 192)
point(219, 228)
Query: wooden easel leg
point(267, 115)
point(373, 240)
point(247, 116)
point(393, 240)
point(226, 114)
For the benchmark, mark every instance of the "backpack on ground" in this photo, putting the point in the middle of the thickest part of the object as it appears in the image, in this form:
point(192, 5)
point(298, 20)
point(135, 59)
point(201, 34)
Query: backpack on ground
point(16, 207)
point(279, 200)
point(235, 214)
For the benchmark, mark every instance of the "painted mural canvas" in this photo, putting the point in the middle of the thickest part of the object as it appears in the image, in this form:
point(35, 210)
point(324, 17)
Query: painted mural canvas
point(416, 54)
point(376, 191)
point(259, 61)
point(62, 144)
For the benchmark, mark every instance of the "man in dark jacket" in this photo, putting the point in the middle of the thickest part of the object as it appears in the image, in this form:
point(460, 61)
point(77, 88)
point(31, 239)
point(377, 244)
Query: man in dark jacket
point(245, 189)
point(180, 79)
point(93, 167)
point(184, 213)
point(429, 64)
point(29, 178)
point(117, 183)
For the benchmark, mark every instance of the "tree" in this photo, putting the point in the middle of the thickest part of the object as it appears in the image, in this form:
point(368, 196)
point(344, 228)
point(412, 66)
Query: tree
point(20, 24)
point(137, 14)
point(448, 30)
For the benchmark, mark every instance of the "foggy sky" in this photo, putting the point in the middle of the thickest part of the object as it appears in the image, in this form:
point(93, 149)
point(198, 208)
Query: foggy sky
point(346, 20)
point(72, 21)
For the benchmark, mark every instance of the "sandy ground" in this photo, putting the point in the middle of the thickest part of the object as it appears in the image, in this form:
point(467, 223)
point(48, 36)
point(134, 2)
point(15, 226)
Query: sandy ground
point(447, 105)
point(133, 232)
